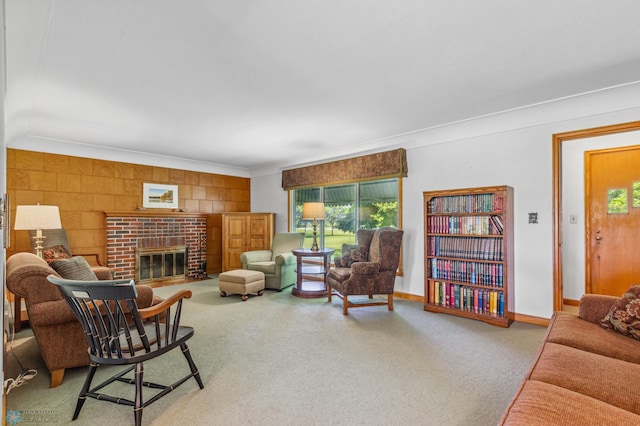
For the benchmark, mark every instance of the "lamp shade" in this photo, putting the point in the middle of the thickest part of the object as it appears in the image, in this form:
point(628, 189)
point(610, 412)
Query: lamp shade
point(312, 211)
point(37, 217)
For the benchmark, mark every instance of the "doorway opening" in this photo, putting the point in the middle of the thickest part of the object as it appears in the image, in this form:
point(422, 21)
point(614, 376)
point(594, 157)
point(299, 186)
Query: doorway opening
point(558, 141)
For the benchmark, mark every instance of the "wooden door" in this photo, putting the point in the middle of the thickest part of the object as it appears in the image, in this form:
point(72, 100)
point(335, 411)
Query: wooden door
point(234, 241)
point(245, 232)
point(260, 231)
point(612, 177)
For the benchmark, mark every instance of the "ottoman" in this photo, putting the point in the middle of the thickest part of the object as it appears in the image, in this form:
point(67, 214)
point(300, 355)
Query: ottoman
point(241, 281)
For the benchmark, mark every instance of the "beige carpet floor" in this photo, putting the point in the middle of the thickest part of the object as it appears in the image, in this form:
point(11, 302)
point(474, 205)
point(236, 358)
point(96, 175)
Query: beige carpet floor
point(281, 360)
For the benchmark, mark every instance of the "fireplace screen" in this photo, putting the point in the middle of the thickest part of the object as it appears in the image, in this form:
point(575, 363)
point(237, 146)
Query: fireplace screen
point(166, 263)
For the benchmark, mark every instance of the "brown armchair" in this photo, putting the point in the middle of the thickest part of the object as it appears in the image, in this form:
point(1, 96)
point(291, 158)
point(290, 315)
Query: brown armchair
point(57, 331)
point(374, 272)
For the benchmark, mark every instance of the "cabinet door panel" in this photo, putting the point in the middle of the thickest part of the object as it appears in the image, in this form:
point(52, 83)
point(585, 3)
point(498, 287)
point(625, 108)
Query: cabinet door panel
point(245, 232)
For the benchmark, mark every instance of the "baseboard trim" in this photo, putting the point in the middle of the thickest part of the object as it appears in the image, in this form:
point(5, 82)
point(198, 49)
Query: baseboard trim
point(516, 317)
point(408, 296)
point(571, 302)
point(530, 319)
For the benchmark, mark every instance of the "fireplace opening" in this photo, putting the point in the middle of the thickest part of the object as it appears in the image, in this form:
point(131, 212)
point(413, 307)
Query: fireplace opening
point(162, 263)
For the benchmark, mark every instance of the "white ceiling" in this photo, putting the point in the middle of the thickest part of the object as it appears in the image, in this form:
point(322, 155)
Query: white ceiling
point(255, 84)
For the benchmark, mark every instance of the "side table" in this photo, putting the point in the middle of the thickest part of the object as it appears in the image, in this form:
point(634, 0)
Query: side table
point(311, 289)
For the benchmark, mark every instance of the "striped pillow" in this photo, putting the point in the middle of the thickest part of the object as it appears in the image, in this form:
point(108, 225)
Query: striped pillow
point(75, 268)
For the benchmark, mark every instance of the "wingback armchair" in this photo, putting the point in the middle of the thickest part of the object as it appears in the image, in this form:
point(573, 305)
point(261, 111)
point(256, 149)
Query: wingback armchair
point(369, 270)
point(278, 264)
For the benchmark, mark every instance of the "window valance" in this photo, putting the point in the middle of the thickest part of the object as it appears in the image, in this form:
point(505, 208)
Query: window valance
point(381, 165)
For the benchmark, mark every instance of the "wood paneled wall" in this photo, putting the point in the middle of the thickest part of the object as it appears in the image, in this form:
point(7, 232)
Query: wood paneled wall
point(85, 188)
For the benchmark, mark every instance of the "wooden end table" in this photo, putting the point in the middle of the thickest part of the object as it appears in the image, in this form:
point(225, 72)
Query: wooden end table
point(311, 289)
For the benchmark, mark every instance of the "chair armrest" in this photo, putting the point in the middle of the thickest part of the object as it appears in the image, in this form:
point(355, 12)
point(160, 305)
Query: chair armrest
point(96, 257)
point(145, 297)
point(255, 256)
point(161, 307)
point(102, 272)
point(365, 268)
point(594, 307)
point(285, 259)
point(51, 313)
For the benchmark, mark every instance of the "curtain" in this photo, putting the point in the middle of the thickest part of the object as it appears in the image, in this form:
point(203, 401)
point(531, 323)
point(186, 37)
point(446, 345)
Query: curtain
point(381, 165)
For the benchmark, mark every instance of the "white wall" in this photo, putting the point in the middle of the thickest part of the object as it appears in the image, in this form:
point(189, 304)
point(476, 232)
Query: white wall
point(512, 148)
point(573, 203)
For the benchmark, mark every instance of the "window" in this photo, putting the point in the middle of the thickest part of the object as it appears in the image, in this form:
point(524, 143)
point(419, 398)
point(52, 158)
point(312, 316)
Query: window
point(348, 207)
point(617, 201)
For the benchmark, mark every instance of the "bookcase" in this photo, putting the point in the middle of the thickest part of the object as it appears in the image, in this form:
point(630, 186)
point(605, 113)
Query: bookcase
point(468, 253)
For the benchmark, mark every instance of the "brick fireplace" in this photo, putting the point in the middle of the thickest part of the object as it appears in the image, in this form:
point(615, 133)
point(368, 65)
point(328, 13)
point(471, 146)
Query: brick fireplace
point(132, 233)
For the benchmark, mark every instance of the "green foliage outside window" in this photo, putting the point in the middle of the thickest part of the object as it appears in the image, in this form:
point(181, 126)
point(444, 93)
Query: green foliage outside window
point(617, 201)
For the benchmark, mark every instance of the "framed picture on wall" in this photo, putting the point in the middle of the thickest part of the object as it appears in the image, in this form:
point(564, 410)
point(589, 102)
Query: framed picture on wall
point(158, 195)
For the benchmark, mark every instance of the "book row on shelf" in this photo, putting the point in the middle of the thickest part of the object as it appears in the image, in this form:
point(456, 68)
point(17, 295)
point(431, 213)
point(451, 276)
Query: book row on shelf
point(470, 248)
point(466, 298)
point(465, 225)
point(489, 274)
point(472, 203)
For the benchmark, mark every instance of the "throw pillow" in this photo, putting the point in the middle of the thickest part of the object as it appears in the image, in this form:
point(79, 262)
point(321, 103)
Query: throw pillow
point(75, 268)
point(344, 261)
point(55, 252)
point(351, 253)
point(624, 316)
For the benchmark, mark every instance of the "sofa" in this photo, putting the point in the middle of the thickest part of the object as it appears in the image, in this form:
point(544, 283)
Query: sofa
point(586, 370)
point(57, 332)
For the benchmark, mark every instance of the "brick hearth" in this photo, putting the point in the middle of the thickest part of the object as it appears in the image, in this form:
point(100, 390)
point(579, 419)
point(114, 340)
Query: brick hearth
point(127, 231)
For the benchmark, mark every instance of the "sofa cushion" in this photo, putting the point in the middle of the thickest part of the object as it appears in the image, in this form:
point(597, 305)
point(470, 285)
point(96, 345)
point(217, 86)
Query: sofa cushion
point(538, 403)
point(75, 268)
point(568, 329)
point(55, 252)
point(589, 374)
point(624, 315)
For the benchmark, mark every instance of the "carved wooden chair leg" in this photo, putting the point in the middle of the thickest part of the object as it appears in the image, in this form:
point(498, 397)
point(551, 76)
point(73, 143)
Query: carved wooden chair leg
point(192, 365)
point(56, 377)
point(82, 397)
point(390, 299)
point(345, 304)
point(137, 411)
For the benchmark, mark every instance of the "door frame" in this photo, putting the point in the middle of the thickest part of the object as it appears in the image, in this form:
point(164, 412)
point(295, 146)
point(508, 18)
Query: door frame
point(558, 139)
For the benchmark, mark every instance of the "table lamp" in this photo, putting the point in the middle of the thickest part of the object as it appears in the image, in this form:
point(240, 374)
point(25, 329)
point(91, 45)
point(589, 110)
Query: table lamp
point(313, 211)
point(37, 218)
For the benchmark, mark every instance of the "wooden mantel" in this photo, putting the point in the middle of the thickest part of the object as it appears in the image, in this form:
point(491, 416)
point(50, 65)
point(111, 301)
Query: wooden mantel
point(153, 213)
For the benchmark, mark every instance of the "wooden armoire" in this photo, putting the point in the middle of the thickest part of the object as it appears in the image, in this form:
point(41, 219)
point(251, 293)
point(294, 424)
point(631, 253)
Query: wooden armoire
point(245, 232)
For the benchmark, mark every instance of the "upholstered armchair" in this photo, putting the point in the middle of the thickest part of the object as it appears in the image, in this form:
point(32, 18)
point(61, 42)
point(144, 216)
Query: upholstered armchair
point(278, 264)
point(368, 269)
point(57, 331)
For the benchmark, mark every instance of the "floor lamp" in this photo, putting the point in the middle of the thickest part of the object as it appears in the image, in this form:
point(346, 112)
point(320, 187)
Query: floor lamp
point(315, 212)
point(37, 218)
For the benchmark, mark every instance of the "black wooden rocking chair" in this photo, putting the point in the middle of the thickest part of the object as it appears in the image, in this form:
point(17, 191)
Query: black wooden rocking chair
point(119, 333)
